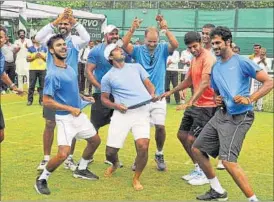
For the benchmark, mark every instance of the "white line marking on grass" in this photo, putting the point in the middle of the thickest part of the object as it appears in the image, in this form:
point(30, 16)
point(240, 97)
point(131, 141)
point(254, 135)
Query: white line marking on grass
point(17, 117)
point(11, 103)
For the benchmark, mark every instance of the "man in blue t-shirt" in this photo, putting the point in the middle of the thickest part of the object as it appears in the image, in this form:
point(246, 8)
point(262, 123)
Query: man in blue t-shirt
point(61, 93)
point(224, 134)
point(132, 91)
point(153, 56)
point(5, 78)
point(64, 24)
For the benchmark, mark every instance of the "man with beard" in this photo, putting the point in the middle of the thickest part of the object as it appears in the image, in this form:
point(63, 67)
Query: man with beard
point(61, 93)
point(224, 134)
point(201, 106)
point(64, 23)
point(97, 67)
point(153, 56)
point(130, 85)
point(22, 66)
point(5, 78)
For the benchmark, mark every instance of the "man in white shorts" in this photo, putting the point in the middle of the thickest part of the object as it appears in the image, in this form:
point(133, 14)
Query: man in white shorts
point(61, 93)
point(132, 91)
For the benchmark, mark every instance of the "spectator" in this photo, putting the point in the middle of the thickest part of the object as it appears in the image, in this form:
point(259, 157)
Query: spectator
point(236, 49)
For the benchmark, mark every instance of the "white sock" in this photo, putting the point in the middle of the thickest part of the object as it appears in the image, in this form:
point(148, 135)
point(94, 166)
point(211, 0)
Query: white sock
point(253, 198)
point(197, 167)
point(70, 156)
point(45, 175)
point(159, 152)
point(83, 164)
point(215, 184)
point(46, 157)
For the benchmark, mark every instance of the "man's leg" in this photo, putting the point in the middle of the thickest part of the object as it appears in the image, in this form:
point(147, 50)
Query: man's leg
point(41, 76)
point(174, 81)
point(41, 185)
point(167, 84)
point(141, 161)
point(2, 125)
point(2, 135)
point(111, 156)
point(32, 81)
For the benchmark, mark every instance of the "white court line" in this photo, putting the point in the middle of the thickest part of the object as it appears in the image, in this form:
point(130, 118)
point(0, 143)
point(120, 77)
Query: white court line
point(127, 157)
point(17, 117)
point(11, 103)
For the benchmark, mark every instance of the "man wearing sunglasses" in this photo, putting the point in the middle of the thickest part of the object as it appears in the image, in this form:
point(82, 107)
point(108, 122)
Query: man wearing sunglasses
point(153, 56)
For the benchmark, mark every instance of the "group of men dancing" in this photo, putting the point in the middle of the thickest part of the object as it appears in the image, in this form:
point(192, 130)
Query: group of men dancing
point(131, 97)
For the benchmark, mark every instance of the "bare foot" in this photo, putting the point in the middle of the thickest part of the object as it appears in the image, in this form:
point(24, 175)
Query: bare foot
point(137, 185)
point(109, 171)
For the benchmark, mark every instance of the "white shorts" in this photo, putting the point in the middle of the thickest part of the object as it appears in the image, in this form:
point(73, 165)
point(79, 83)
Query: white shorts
point(69, 127)
point(136, 120)
point(158, 112)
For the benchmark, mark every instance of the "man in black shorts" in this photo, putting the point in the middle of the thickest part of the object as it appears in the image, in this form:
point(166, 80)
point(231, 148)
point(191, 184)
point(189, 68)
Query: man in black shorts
point(201, 107)
point(224, 134)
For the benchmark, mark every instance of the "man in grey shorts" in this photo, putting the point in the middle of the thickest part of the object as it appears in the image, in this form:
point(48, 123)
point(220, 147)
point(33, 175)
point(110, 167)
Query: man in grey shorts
point(224, 134)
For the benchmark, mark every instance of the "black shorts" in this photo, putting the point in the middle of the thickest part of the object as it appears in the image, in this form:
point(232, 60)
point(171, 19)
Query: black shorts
point(195, 118)
point(100, 114)
point(48, 114)
point(224, 134)
point(2, 122)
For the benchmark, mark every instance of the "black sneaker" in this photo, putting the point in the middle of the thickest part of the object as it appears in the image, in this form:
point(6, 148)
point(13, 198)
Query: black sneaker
point(85, 174)
point(213, 195)
point(29, 103)
point(41, 186)
point(159, 159)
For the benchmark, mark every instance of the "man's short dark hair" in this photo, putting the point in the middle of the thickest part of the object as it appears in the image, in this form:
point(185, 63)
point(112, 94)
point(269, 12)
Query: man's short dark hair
point(210, 26)
point(191, 37)
point(256, 44)
point(53, 39)
point(223, 32)
point(21, 30)
point(3, 29)
point(33, 37)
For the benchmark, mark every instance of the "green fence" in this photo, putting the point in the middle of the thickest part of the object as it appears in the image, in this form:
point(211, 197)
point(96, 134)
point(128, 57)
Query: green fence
point(249, 26)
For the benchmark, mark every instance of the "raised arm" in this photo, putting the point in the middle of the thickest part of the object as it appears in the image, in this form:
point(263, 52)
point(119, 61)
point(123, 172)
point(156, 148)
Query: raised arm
point(89, 70)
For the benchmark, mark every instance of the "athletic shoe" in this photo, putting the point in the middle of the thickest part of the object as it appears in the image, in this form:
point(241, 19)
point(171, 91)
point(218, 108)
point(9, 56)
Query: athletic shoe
point(191, 175)
point(133, 167)
point(159, 159)
point(41, 186)
point(69, 164)
point(220, 165)
point(85, 174)
point(213, 195)
point(121, 165)
point(200, 179)
point(42, 165)
point(29, 103)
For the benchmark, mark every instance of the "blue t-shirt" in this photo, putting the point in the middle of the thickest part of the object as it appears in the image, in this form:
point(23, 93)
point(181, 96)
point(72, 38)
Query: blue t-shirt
point(62, 85)
point(126, 84)
point(2, 63)
point(72, 57)
point(155, 66)
point(96, 57)
point(232, 78)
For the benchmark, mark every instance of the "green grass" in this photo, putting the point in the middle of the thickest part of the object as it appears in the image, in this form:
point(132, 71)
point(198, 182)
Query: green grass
point(21, 152)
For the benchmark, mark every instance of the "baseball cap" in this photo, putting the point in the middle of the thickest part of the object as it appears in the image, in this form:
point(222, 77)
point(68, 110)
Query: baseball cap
point(111, 47)
point(109, 29)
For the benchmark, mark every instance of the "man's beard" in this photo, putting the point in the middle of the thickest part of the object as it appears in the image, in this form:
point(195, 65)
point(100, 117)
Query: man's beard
point(58, 56)
point(63, 31)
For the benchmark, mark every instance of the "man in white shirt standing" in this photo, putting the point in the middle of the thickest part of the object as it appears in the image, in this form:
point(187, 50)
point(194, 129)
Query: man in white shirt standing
point(22, 66)
point(172, 74)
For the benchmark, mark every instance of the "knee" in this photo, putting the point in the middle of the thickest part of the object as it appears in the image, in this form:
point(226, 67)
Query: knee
point(2, 136)
point(143, 148)
point(110, 155)
point(50, 125)
point(195, 150)
point(63, 155)
point(160, 129)
point(228, 164)
point(182, 136)
point(95, 140)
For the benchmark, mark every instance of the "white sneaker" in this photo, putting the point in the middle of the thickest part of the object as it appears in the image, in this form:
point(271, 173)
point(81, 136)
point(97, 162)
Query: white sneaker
point(3, 92)
point(190, 176)
point(69, 164)
point(220, 165)
point(200, 179)
point(42, 165)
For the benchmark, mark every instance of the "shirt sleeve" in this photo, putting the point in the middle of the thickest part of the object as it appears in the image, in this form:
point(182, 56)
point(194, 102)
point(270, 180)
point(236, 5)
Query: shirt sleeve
point(83, 38)
point(43, 35)
point(249, 68)
point(212, 83)
point(208, 62)
point(105, 84)
point(92, 56)
point(51, 85)
point(143, 73)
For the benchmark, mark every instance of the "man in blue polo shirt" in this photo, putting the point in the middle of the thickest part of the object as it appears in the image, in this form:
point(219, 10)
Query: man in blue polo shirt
point(132, 91)
point(153, 56)
point(61, 93)
point(5, 78)
point(224, 134)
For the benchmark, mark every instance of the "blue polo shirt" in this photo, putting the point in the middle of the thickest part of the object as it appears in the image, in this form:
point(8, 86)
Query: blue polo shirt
point(233, 78)
point(2, 63)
